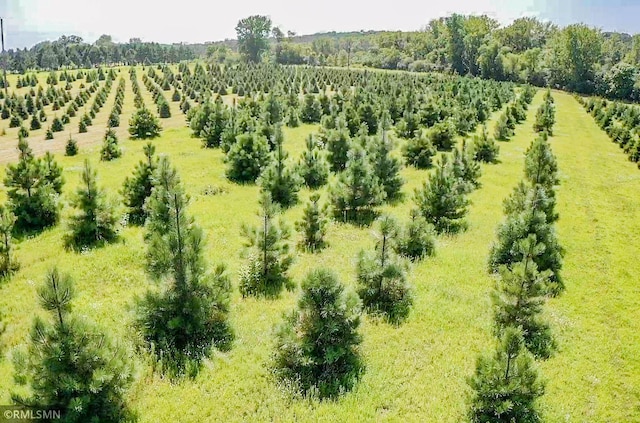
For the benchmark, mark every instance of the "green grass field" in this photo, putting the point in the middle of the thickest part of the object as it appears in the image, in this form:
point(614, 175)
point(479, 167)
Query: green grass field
point(414, 372)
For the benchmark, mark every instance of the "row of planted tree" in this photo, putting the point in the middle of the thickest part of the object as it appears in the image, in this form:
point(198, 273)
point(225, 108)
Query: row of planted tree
point(621, 122)
point(180, 322)
point(527, 259)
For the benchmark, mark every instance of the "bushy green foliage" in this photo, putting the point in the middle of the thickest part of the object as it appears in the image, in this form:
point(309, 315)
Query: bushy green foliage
point(443, 135)
point(546, 115)
point(181, 322)
point(280, 178)
point(247, 157)
point(144, 124)
point(386, 166)
point(311, 110)
point(95, 223)
point(8, 264)
point(110, 148)
point(71, 147)
point(313, 166)
point(506, 385)
point(502, 131)
point(316, 348)
point(357, 190)
point(417, 239)
point(465, 168)
point(266, 272)
point(382, 276)
point(137, 188)
point(32, 195)
point(519, 297)
point(338, 143)
point(70, 364)
point(486, 150)
point(419, 151)
point(313, 224)
point(208, 122)
point(441, 201)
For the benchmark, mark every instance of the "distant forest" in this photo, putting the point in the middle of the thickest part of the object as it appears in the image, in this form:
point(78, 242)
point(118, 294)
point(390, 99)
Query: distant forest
point(575, 58)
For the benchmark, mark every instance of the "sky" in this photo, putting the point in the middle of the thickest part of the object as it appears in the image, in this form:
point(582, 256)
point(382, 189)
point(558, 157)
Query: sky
point(30, 21)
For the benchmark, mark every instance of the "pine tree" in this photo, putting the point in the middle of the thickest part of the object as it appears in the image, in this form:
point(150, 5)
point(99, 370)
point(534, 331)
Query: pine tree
point(506, 386)
point(71, 148)
point(313, 166)
point(419, 151)
point(338, 144)
point(52, 172)
point(313, 224)
point(417, 240)
point(247, 157)
point(441, 202)
point(70, 364)
point(486, 150)
point(465, 168)
point(144, 125)
point(8, 264)
point(279, 178)
point(502, 131)
point(540, 165)
point(311, 110)
point(386, 167)
point(317, 344)
point(382, 279)
point(524, 197)
point(519, 297)
point(443, 135)
point(82, 127)
point(269, 260)
point(520, 226)
point(35, 123)
point(545, 116)
point(110, 149)
point(32, 196)
point(182, 322)
point(95, 224)
point(357, 191)
point(137, 188)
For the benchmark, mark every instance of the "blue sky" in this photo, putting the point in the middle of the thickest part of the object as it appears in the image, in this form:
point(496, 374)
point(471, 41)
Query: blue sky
point(29, 21)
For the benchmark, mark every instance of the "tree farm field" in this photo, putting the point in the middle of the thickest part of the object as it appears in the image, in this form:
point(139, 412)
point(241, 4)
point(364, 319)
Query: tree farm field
point(415, 371)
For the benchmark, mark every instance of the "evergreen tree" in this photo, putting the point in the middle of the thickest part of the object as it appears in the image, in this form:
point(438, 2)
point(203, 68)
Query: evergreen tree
point(338, 143)
point(313, 166)
point(182, 322)
point(540, 165)
point(82, 127)
point(35, 123)
point(519, 297)
point(382, 279)
point(49, 134)
point(8, 264)
point(520, 226)
point(419, 151)
point(524, 197)
point(209, 122)
point(138, 187)
point(545, 116)
point(506, 386)
point(70, 364)
point(313, 224)
point(95, 224)
point(144, 125)
point(317, 344)
point(465, 168)
point(114, 120)
point(386, 167)
point(279, 178)
point(486, 150)
point(71, 148)
point(53, 172)
point(110, 149)
point(32, 196)
point(502, 131)
point(56, 125)
point(441, 202)
point(443, 135)
point(357, 190)
point(247, 157)
point(269, 260)
point(311, 110)
point(418, 238)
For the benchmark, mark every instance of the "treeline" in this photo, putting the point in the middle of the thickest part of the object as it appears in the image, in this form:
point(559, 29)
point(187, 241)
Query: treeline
point(576, 58)
point(72, 52)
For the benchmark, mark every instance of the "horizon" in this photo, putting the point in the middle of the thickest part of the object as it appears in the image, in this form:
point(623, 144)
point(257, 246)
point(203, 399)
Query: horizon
point(33, 21)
